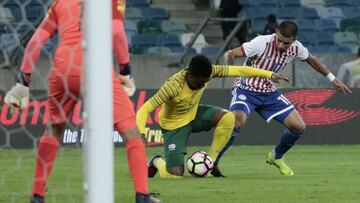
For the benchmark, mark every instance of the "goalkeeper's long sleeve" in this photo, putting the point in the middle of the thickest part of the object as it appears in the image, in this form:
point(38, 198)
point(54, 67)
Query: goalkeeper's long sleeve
point(33, 50)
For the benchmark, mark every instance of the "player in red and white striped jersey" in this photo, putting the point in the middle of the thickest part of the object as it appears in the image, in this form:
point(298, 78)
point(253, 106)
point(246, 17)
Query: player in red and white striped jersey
point(262, 52)
point(272, 52)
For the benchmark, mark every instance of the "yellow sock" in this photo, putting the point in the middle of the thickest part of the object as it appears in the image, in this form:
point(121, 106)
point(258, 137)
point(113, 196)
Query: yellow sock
point(160, 164)
point(222, 134)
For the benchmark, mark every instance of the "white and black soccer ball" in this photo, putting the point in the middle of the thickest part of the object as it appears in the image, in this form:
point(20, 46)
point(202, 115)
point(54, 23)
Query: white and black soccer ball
point(199, 164)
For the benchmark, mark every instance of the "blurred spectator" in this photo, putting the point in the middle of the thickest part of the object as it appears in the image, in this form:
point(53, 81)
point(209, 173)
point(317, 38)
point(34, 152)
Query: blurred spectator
point(230, 9)
point(349, 72)
point(271, 25)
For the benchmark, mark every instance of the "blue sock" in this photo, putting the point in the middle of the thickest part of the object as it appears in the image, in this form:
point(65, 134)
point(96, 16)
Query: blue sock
point(234, 133)
point(287, 140)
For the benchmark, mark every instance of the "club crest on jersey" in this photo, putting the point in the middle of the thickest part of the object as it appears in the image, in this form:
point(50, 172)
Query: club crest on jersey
point(242, 97)
point(172, 147)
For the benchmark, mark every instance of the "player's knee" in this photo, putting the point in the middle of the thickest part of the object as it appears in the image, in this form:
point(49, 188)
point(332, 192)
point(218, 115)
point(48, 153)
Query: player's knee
point(298, 128)
point(131, 133)
point(176, 171)
point(240, 119)
point(56, 129)
point(239, 123)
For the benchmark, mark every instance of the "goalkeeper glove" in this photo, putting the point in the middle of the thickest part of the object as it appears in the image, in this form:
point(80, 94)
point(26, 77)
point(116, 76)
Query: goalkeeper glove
point(18, 96)
point(126, 79)
point(128, 84)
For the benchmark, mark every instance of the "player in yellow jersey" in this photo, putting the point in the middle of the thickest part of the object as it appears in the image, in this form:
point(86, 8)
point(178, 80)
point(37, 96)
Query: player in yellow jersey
point(181, 113)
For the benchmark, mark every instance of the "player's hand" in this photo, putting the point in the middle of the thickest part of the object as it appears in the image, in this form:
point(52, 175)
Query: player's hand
point(341, 87)
point(229, 57)
point(18, 96)
point(128, 84)
point(278, 77)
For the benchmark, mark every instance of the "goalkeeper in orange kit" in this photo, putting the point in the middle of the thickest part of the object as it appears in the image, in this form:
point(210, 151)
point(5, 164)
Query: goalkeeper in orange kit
point(65, 75)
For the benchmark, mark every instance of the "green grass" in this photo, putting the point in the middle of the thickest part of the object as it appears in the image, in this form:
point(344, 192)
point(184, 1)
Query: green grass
point(322, 174)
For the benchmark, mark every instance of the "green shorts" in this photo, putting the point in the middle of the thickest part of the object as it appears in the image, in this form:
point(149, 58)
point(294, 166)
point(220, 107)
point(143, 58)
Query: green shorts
point(175, 141)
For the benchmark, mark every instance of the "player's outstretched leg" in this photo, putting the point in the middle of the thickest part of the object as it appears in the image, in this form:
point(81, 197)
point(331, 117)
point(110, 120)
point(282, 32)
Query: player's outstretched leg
point(222, 137)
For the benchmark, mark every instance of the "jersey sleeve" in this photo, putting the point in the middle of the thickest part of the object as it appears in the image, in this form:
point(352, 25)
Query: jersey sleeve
point(220, 71)
point(120, 43)
point(50, 21)
point(303, 52)
point(42, 34)
point(168, 91)
point(254, 47)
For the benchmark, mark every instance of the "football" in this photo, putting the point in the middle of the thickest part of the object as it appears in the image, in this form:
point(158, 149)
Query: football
point(199, 164)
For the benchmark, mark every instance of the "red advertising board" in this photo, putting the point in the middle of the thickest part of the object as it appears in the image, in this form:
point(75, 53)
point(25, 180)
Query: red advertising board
point(331, 118)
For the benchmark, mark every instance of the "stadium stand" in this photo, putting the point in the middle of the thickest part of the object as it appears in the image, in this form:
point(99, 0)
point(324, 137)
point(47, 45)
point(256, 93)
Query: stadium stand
point(154, 13)
point(210, 50)
point(130, 30)
point(168, 40)
point(290, 3)
point(6, 16)
point(133, 14)
point(159, 50)
point(144, 41)
point(173, 27)
point(200, 42)
point(313, 3)
point(149, 20)
point(339, 3)
point(35, 11)
point(149, 26)
point(137, 4)
point(323, 17)
point(324, 25)
point(266, 4)
point(307, 13)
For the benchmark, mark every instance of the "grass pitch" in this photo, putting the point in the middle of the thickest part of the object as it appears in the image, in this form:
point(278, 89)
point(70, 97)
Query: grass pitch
point(322, 174)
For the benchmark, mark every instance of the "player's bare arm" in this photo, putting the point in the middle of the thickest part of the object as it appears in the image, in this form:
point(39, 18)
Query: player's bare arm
point(316, 64)
point(231, 54)
point(278, 77)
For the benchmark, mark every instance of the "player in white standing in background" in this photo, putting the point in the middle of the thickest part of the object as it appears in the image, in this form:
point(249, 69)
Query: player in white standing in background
point(272, 52)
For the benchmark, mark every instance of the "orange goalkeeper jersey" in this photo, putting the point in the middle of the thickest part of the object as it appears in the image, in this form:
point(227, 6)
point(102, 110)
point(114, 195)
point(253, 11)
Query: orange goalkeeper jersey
point(63, 16)
point(118, 9)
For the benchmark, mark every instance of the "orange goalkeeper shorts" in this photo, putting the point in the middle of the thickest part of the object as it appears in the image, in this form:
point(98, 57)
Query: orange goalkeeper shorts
point(64, 93)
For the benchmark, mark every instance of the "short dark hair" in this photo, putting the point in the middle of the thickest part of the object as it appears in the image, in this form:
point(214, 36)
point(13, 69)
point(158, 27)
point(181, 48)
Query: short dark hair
point(200, 65)
point(288, 29)
point(358, 53)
